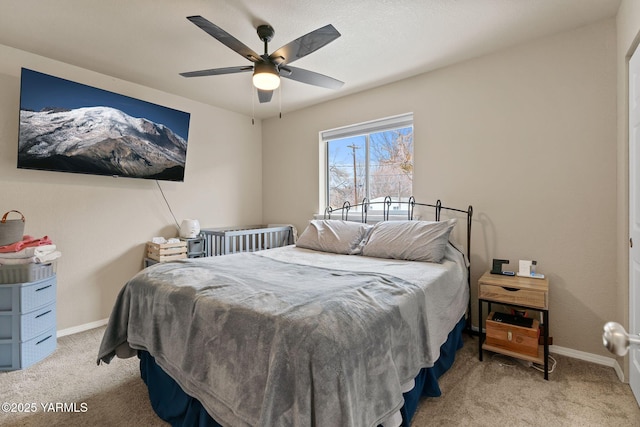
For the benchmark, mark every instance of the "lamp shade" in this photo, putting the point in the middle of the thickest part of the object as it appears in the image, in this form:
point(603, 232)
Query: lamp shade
point(265, 76)
point(190, 228)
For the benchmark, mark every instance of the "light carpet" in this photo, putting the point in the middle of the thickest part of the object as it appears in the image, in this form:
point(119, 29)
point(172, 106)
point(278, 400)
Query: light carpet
point(498, 391)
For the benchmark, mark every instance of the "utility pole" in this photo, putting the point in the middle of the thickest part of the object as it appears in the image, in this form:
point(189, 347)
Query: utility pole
point(355, 179)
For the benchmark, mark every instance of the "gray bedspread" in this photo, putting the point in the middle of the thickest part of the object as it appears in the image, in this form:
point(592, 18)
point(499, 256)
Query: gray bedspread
point(261, 340)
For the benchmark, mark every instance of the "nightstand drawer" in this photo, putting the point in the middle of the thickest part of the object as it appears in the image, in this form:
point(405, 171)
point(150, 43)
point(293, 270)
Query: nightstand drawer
point(524, 297)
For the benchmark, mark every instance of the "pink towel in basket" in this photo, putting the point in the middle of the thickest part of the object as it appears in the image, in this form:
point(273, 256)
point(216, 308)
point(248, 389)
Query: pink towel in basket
point(26, 242)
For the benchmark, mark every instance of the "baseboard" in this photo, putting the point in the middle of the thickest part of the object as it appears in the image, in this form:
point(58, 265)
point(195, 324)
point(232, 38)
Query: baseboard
point(82, 328)
point(583, 355)
point(620, 373)
point(589, 357)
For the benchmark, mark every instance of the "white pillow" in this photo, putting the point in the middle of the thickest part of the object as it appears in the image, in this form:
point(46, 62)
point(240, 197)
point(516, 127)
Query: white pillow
point(409, 240)
point(333, 235)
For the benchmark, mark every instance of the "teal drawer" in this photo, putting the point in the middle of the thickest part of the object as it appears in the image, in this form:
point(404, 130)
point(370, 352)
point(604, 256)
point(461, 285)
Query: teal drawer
point(38, 348)
point(26, 326)
point(26, 297)
point(38, 294)
point(18, 355)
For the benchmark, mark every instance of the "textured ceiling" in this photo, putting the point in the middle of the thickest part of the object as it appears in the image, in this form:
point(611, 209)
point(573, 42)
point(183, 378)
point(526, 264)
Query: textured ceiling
point(150, 41)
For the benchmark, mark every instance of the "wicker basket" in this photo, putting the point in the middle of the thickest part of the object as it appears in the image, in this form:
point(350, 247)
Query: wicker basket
point(23, 273)
point(11, 230)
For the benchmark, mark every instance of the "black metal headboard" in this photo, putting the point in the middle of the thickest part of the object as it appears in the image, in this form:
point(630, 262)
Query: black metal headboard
point(411, 203)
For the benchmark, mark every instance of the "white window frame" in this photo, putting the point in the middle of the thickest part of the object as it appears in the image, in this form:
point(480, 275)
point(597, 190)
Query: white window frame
point(364, 128)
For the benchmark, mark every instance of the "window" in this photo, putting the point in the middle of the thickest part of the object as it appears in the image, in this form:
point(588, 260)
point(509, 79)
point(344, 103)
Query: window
point(372, 160)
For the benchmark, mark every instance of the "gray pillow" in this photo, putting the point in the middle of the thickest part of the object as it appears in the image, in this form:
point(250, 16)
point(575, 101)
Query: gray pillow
point(409, 240)
point(333, 235)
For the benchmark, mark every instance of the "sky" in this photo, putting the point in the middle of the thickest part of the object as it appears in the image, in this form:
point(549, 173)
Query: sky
point(341, 153)
point(38, 90)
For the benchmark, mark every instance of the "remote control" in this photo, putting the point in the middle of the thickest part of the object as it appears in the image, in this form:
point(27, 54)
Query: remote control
point(509, 273)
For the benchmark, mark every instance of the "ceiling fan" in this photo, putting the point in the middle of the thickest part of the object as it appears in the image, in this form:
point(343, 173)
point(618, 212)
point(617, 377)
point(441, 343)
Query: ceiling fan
point(268, 68)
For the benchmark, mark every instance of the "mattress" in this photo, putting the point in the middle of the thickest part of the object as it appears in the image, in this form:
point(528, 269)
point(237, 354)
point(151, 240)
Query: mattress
point(290, 336)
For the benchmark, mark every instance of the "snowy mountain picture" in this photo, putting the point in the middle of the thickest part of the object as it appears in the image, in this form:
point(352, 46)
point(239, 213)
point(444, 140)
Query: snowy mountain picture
point(83, 129)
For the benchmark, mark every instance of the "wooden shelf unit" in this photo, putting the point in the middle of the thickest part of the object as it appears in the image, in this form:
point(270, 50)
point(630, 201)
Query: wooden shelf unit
point(519, 292)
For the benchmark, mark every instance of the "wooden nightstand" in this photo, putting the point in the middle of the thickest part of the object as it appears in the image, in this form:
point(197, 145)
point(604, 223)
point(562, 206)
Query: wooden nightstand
point(519, 292)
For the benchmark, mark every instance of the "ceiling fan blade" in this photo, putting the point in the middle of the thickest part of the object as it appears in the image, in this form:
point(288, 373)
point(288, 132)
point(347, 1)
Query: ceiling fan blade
point(225, 38)
point(305, 45)
point(310, 77)
point(264, 95)
point(218, 71)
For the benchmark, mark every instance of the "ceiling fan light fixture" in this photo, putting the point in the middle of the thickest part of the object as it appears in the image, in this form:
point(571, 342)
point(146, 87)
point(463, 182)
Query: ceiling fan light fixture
point(268, 68)
point(265, 76)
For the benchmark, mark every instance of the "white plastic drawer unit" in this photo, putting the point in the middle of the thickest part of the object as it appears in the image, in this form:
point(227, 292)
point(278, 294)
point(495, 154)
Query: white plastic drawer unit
point(25, 297)
point(27, 322)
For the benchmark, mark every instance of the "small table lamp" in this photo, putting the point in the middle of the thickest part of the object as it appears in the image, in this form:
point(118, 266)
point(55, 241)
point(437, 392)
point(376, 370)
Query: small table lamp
point(190, 228)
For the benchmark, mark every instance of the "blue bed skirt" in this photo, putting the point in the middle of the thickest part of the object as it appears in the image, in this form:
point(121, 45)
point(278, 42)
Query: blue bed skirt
point(179, 409)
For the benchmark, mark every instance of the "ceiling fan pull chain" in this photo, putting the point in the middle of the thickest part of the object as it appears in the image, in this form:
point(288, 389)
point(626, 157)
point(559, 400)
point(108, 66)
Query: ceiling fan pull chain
point(280, 100)
point(253, 106)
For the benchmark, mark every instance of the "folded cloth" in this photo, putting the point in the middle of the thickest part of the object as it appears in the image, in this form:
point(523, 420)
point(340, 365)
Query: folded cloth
point(30, 252)
point(38, 259)
point(26, 242)
point(42, 259)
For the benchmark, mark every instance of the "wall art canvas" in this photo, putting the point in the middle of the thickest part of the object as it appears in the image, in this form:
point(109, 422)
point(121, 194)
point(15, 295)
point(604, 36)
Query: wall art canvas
point(71, 127)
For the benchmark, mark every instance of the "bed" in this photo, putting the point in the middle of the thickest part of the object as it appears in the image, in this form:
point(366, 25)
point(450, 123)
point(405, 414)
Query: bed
point(348, 327)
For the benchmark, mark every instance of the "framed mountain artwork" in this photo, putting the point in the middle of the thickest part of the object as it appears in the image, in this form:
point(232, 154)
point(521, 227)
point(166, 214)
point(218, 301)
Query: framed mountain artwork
point(71, 127)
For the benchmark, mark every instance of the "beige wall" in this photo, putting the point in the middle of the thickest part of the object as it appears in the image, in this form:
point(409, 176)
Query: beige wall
point(101, 223)
point(527, 136)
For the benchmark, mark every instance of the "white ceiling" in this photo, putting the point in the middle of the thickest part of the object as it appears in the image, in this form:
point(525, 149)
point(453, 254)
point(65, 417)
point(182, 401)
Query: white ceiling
point(150, 41)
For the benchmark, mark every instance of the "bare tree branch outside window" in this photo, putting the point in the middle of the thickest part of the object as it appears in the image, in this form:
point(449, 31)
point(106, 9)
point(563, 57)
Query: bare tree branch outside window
point(390, 167)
